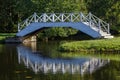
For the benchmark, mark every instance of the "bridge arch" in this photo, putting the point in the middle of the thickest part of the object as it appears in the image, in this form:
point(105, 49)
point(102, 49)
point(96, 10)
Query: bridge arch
point(88, 24)
point(78, 26)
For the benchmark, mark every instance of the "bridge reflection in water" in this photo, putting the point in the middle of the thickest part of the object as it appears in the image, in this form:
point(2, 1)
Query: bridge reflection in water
point(38, 63)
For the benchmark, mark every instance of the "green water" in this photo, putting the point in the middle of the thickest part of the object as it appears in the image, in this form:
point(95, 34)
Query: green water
point(12, 67)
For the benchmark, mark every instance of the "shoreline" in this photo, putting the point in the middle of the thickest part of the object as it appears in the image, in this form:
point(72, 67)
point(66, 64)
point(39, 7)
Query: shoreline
point(3, 36)
point(100, 45)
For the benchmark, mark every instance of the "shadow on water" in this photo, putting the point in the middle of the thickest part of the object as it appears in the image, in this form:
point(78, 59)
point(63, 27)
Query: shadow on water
point(39, 62)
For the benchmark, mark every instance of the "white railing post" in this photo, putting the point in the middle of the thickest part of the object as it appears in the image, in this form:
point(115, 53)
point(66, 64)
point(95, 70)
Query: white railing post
point(81, 17)
point(108, 29)
point(90, 20)
point(53, 17)
point(44, 17)
point(26, 22)
point(18, 27)
point(34, 16)
point(99, 26)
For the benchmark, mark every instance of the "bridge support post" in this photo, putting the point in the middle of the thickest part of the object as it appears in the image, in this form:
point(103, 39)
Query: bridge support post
point(33, 38)
point(81, 15)
point(30, 39)
point(90, 18)
point(108, 29)
point(18, 27)
point(99, 25)
point(35, 15)
point(44, 17)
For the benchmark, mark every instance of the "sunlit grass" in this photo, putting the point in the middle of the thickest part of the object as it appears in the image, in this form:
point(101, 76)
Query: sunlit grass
point(92, 45)
point(5, 35)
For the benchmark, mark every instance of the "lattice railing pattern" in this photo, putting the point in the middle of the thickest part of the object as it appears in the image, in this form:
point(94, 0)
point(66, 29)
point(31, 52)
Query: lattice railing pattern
point(90, 20)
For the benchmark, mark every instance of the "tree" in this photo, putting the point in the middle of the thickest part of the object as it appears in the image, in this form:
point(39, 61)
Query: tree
point(51, 33)
point(60, 6)
point(12, 11)
point(113, 15)
point(107, 10)
point(6, 15)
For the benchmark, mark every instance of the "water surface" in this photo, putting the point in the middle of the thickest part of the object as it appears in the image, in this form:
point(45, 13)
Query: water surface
point(42, 61)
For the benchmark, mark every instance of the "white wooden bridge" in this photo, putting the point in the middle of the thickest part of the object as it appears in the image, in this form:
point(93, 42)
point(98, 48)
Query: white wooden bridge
point(38, 63)
point(87, 23)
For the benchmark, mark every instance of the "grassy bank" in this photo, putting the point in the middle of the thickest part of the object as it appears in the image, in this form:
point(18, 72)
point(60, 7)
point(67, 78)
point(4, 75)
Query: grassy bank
point(3, 36)
point(103, 45)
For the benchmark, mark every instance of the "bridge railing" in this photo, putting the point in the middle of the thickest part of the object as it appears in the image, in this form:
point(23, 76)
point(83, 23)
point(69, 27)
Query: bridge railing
point(97, 22)
point(25, 23)
point(89, 19)
point(59, 17)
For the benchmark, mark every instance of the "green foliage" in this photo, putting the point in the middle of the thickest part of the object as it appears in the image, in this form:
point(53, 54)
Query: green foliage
point(3, 36)
point(113, 15)
point(59, 5)
point(107, 10)
point(12, 11)
point(92, 45)
point(57, 32)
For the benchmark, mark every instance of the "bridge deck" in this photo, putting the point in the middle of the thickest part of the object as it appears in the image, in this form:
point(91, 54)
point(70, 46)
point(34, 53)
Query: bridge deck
point(76, 25)
point(89, 24)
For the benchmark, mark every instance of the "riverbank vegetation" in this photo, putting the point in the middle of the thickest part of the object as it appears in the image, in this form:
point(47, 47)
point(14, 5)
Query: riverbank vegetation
point(3, 36)
point(61, 33)
point(52, 33)
point(103, 45)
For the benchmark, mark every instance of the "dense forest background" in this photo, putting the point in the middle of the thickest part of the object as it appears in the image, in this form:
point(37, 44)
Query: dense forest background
point(14, 11)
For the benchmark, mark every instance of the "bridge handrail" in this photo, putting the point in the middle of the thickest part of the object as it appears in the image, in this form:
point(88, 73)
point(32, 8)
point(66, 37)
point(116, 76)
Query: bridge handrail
point(24, 23)
point(61, 17)
point(102, 25)
point(90, 19)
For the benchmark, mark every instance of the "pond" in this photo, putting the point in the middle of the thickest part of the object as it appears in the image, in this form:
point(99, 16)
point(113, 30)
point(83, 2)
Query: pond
point(42, 61)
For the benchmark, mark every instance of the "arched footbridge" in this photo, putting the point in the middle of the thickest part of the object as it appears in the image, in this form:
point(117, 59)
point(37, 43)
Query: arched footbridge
point(88, 24)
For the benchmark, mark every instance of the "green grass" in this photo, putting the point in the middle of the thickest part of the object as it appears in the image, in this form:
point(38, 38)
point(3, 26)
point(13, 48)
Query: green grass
point(3, 36)
point(104, 45)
